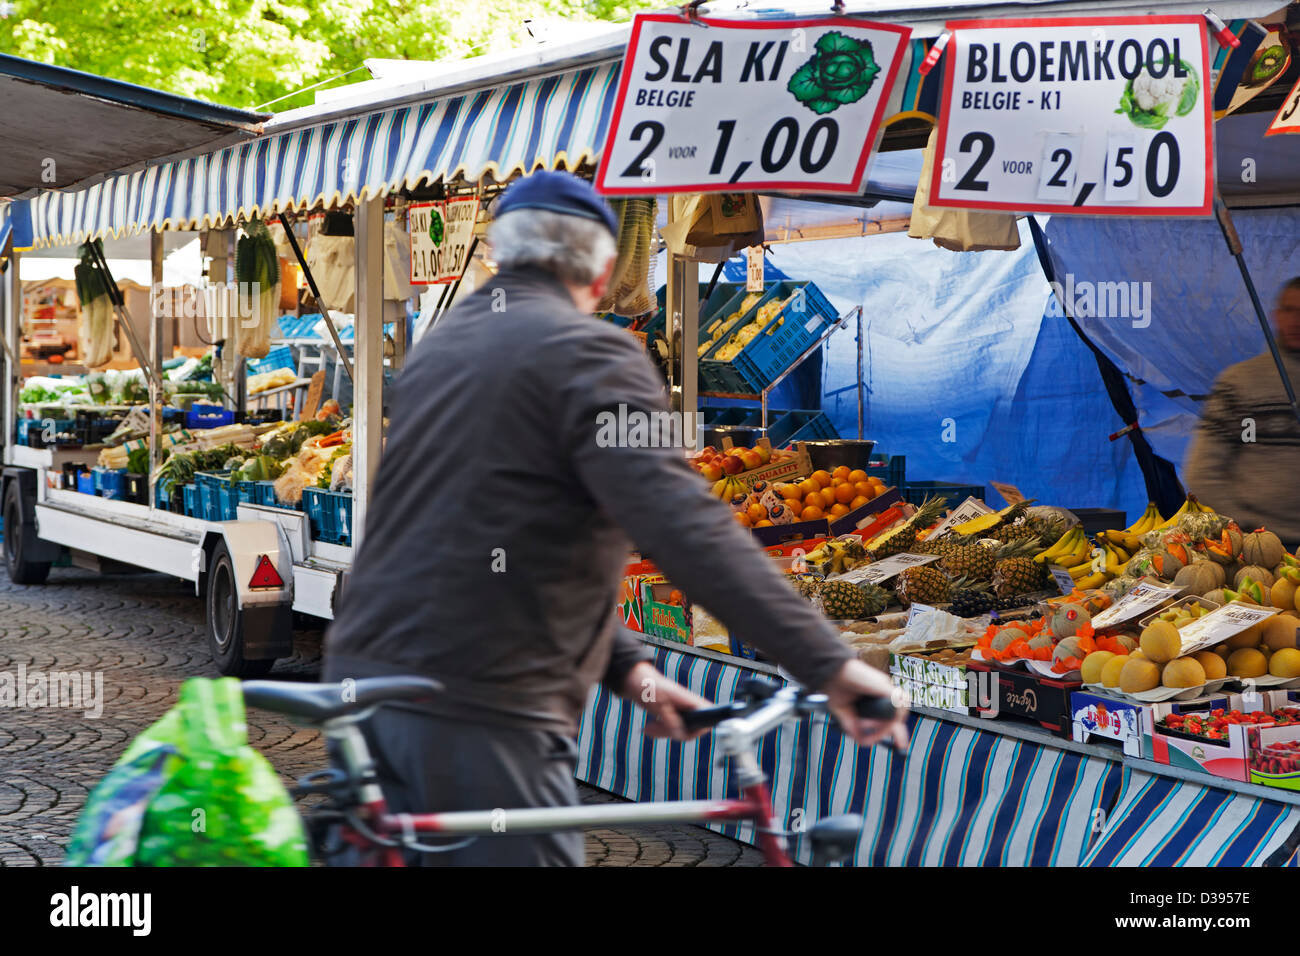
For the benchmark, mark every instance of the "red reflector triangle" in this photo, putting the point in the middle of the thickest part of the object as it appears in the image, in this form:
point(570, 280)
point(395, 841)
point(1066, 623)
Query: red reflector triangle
point(265, 575)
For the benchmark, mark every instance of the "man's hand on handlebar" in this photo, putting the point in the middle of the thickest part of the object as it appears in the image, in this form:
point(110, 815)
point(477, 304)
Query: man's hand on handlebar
point(664, 700)
point(856, 680)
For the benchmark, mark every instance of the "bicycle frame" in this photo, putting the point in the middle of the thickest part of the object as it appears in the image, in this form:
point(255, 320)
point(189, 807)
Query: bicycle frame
point(737, 739)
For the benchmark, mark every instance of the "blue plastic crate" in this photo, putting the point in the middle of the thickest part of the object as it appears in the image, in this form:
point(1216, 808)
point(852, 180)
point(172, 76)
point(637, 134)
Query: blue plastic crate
point(31, 431)
point(787, 427)
point(891, 469)
point(208, 416)
point(190, 500)
point(330, 515)
point(803, 320)
point(817, 428)
point(85, 483)
point(109, 482)
point(214, 496)
point(279, 357)
point(916, 492)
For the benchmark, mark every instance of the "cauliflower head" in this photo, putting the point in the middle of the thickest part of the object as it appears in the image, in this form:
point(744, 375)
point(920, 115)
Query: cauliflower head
point(1151, 102)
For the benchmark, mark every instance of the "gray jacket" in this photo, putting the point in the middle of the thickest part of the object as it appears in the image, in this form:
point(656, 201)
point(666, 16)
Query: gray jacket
point(501, 519)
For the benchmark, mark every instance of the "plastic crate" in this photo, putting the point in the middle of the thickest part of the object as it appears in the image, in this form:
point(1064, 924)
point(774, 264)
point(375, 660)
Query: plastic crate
point(891, 469)
point(711, 309)
point(330, 515)
point(190, 501)
point(916, 492)
point(817, 428)
point(31, 431)
point(208, 416)
point(215, 496)
point(110, 483)
point(85, 483)
point(135, 488)
point(279, 357)
point(768, 355)
point(783, 427)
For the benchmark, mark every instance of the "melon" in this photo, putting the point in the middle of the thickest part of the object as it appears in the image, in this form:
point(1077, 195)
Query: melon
point(1068, 619)
point(1183, 672)
point(1138, 675)
point(1217, 597)
point(1247, 662)
point(1068, 648)
point(1256, 573)
point(1285, 663)
point(1040, 641)
point(1213, 664)
point(1090, 672)
point(1250, 637)
point(1127, 641)
point(1166, 564)
point(1262, 548)
point(1160, 642)
point(1110, 671)
point(1279, 632)
point(1282, 594)
point(1003, 638)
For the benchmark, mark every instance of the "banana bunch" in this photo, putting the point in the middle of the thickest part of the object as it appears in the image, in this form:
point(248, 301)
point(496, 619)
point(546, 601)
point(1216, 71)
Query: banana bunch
point(1088, 567)
point(1190, 507)
point(837, 555)
point(1072, 550)
point(727, 488)
point(1129, 538)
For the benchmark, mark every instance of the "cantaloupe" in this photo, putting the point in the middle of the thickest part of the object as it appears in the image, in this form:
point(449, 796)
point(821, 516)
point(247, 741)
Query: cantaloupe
point(1166, 565)
point(1285, 663)
point(1183, 672)
point(1256, 573)
point(1109, 676)
point(1200, 577)
point(1282, 594)
point(1040, 641)
point(1213, 664)
point(1003, 638)
point(1247, 662)
point(1138, 675)
point(1160, 642)
point(1262, 547)
point(1067, 620)
point(1279, 632)
point(1127, 641)
point(1217, 597)
point(1093, 664)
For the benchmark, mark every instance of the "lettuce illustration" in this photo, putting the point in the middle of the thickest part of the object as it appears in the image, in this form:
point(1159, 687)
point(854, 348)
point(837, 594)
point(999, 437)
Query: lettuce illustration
point(1151, 101)
point(435, 227)
point(841, 71)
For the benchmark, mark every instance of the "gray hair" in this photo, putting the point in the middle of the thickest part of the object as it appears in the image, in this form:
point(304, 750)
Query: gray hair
point(575, 250)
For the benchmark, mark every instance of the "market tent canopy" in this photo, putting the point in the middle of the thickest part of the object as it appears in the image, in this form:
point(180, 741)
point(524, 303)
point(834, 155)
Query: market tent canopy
point(62, 127)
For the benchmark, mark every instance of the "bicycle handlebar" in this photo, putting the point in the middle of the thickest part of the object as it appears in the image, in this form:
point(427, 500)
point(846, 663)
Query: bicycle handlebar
point(702, 718)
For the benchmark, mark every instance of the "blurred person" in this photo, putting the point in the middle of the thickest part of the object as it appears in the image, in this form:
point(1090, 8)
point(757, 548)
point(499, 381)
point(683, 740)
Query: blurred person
point(1245, 457)
point(499, 528)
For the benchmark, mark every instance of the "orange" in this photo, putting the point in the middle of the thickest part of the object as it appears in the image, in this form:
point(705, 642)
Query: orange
point(828, 498)
point(808, 486)
point(841, 473)
point(790, 492)
point(756, 512)
point(845, 493)
point(763, 524)
point(838, 509)
point(856, 475)
point(866, 489)
point(822, 478)
point(880, 485)
point(743, 519)
point(858, 502)
point(811, 513)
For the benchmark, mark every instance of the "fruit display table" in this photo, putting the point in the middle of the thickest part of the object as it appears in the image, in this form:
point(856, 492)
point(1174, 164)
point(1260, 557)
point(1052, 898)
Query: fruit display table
point(968, 791)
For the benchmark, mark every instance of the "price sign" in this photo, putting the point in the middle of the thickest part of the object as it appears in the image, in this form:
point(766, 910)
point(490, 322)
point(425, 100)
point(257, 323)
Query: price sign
point(968, 510)
point(1061, 576)
point(1287, 118)
point(1143, 598)
point(1095, 116)
point(1220, 624)
point(886, 568)
point(746, 104)
point(441, 233)
point(1010, 493)
point(754, 269)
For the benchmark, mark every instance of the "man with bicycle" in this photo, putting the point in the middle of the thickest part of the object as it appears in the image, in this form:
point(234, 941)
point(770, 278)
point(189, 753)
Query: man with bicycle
point(501, 521)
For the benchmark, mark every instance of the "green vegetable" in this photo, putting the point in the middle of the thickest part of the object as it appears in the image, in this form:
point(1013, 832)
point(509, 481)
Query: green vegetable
point(1168, 98)
point(137, 461)
point(840, 72)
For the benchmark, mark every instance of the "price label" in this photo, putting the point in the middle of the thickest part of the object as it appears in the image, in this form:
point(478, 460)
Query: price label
point(916, 611)
point(441, 233)
point(968, 510)
point(1062, 578)
point(1010, 493)
point(886, 568)
point(749, 104)
point(1287, 118)
point(1096, 116)
point(1143, 598)
point(1220, 624)
point(754, 269)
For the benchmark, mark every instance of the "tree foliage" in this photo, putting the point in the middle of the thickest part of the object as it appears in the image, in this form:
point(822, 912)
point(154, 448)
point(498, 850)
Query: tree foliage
point(249, 53)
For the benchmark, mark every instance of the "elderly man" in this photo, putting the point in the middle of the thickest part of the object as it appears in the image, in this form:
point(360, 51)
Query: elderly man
point(1246, 453)
point(502, 519)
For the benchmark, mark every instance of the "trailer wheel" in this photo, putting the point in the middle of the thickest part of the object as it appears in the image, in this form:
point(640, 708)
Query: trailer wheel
point(21, 571)
point(225, 620)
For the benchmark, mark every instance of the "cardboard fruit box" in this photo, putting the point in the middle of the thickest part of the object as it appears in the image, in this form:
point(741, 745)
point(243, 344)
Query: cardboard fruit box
point(1274, 759)
point(1225, 757)
point(1019, 693)
point(791, 469)
point(860, 520)
point(930, 683)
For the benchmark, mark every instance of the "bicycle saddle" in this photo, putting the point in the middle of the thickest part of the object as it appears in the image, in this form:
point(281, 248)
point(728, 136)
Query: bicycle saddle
point(320, 702)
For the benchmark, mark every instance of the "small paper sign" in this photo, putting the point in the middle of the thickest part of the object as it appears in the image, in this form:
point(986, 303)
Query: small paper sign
point(1010, 492)
point(1062, 578)
point(1144, 597)
point(1220, 624)
point(886, 568)
point(917, 610)
point(754, 269)
point(968, 510)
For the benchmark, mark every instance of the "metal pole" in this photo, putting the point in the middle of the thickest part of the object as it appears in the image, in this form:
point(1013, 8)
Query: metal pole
point(119, 311)
point(1234, 246)
point(325, 312)
point(157, 395)
point(368, 393)
point(11, 293)
point(861, 401)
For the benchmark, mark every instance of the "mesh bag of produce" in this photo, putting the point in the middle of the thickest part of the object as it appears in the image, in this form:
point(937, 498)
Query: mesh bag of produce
point(190, 791)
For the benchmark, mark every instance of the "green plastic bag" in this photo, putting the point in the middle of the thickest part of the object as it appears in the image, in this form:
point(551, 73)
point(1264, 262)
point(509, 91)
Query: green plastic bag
point(190, 791)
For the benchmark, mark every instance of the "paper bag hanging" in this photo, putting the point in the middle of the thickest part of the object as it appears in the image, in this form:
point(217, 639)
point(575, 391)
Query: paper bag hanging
point(961, 230)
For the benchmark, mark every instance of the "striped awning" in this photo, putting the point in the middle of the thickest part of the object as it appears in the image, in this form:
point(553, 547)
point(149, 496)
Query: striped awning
point(552, 121)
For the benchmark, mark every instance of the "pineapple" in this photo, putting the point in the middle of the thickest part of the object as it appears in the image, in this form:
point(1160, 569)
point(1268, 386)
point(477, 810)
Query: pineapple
point(875, 597)
point(1020, 575)
point(985, 525)
point(924, 585)
point(903, 537)
point(806, 584)
point(840, 600)
point(977, 562)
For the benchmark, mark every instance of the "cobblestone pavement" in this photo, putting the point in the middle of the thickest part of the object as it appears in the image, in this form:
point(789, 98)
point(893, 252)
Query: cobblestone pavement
point(144, 632)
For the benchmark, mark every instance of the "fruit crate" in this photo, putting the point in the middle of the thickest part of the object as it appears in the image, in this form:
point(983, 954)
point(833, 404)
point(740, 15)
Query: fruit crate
point(216, 501)
point(31, 431)
point(208, 416)
point(816, 428)
point(264, 494)
point(802, 322)
point(135, 488)
point(277, 358)
point(190, 501)
point(110, 482)
point(710, 309)
point(915, 492)
point(891, 469)
point(85, 483)
point(330, 515)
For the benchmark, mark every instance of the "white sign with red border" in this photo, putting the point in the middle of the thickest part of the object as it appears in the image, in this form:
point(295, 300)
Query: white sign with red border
point(1287, 118)
point(1091, 116)
point(441, 233)
point(749, 104)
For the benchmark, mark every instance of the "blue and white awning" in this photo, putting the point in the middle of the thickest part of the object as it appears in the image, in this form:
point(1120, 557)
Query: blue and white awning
point(552, 121)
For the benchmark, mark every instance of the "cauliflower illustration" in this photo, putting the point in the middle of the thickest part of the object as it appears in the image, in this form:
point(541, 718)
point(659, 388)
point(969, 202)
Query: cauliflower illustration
point(1150, 101)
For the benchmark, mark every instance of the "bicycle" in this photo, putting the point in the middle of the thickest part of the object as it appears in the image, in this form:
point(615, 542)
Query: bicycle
point(356, 810)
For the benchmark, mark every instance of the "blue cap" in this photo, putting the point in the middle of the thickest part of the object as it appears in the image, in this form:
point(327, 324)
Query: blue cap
point(561, 193)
